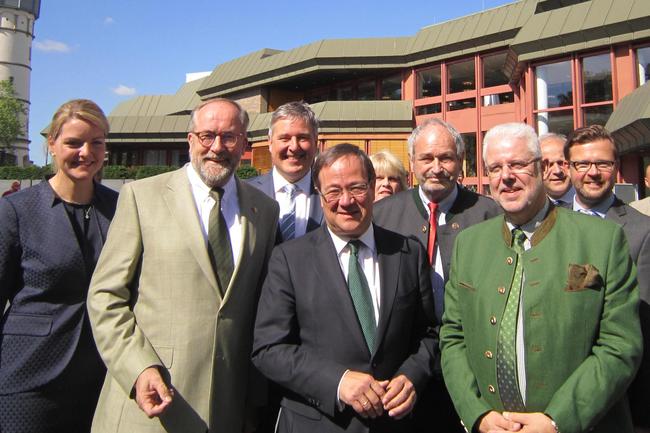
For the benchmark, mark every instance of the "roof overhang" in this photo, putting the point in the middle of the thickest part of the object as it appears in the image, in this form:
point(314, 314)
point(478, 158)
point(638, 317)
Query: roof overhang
point(629, 124)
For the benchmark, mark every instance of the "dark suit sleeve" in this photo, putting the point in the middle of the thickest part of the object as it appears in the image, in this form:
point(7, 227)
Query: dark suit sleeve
point(419, 366)
point(277, 351)
point(9, 253)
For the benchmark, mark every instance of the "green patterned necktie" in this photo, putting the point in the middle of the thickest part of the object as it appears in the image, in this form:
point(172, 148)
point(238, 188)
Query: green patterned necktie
point(360, 293)
point(219, 243)
point(506, 340)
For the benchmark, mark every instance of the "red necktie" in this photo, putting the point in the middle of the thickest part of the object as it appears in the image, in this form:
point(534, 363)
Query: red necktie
point(433, 224)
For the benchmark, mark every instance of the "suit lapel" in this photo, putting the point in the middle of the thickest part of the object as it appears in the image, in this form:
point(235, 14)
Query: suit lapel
point(248, 217)
point(389, 258)
point(330, 278)
point(616, 212)
point(180, 201)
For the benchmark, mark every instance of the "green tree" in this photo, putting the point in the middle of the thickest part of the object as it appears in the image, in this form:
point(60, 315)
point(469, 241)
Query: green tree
point(12, 111)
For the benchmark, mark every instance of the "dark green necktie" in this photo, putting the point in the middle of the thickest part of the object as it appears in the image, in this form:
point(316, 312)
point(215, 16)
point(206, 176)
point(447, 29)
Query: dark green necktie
point(219, 243)
point(506, 340)
point(360, 293)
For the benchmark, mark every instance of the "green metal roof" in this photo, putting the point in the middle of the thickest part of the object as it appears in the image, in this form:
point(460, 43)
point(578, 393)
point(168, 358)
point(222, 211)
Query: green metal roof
point(630, 121)
point(349, 117)
point(581, 26)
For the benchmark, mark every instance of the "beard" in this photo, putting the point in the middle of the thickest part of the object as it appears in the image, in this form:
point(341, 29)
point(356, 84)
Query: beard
point(215, 173)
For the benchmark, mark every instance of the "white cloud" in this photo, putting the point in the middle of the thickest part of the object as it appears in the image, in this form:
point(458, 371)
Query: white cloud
point(50, 45)
point(123, 90)
point(108, 21)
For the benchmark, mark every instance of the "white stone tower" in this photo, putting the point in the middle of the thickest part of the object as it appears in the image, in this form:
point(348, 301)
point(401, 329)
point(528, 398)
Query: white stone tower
point(16, 33)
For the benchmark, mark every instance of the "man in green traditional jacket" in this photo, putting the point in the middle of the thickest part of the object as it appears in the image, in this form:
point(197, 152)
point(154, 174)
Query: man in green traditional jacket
point(541, 329)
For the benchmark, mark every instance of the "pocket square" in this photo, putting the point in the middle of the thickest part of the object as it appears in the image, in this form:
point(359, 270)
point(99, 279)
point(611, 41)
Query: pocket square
point(583, 277)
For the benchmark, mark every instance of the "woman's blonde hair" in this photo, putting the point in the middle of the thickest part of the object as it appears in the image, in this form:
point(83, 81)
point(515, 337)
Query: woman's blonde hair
point(387, 163)
point(83, 109)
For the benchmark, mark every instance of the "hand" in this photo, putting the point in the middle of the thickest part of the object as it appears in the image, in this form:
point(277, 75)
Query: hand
point(400, 397)
point(531, 422)
point(495, 422)
point(151, 393)
point(363, 393)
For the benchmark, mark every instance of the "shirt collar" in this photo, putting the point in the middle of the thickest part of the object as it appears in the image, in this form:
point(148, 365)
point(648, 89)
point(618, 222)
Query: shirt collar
point(202, 191)
point(600, 209)
point(279, 182)
point(530, 227)
point(340, 242)
point(444, 205)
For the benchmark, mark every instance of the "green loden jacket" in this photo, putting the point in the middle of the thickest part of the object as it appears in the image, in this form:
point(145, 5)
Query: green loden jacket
point(581, 325)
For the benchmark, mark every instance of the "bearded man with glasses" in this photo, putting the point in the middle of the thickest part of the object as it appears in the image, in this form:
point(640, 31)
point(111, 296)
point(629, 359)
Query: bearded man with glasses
point(345, 322)
point(540, 331)
point(173, 298)
point(594, 160)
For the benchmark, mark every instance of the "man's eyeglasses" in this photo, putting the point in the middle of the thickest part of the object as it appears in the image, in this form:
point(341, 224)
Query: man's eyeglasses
point(585, 166)
point(357, 191)
point(207, 139)
point(516, 167)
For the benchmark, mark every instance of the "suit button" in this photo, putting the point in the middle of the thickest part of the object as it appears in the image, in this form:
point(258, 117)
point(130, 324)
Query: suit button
point(493, 320)
point(374, 365)
point(424, 228)
point(509, 260)
point(488, 354)
point(491, 389)
point(501, 290)
point(455, 226)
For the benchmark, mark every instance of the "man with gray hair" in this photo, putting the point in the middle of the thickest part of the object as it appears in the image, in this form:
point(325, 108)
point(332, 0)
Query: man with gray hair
point(435, 212)
point(557, 181)
point(541, 328)
point(293, 136)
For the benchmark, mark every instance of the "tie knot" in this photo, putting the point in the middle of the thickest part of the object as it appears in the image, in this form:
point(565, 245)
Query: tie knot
point(518, 239)
point(291, 189)
point(433, 207)
point(354, 247)
point(216, 193)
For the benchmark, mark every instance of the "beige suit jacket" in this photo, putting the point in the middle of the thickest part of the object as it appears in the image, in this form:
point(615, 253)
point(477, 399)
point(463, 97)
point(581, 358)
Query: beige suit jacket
point(154, 300)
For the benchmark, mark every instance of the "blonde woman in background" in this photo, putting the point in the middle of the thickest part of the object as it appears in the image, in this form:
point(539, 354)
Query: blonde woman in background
point(391, 174)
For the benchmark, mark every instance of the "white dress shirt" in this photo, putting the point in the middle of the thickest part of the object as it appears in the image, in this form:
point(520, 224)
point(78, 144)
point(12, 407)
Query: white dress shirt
point(599, 210)
point(369, 264)
point(302, 199)
point(229, 207)
point(520, 347)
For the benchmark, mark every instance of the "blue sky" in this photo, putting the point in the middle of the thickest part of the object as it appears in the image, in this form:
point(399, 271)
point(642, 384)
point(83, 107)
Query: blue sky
point(112, 50)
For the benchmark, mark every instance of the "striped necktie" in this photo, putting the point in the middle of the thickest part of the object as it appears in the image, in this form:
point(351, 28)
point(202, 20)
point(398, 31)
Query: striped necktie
point(219, 247)
point(288, 222)
point(360, 293)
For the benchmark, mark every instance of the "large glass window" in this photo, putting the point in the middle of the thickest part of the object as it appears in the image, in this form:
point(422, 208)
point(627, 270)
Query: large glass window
point(391, 87)
point(366, 91)
point(345, 93)
point(470, 154)
point(553, 85)
point(428, 109)
point(597, 78)
point(428, 82)
point(559, 122)
point(493, 70)
point(461, 104)
point(598, 115)
point(461, 76)
point(643, 62)
point(155, 157)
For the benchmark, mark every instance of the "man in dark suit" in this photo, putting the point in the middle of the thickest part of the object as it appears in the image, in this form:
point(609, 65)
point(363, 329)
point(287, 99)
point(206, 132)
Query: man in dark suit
point(594, 159)
point(353, 357)
point(293, 136)
point(436, 151)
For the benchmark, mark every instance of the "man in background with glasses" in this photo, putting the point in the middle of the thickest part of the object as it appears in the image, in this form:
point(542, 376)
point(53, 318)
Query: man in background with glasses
point(345, 321)
point(173, 298)
point(594, 159)
point(540, 331)
point(557, 181)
